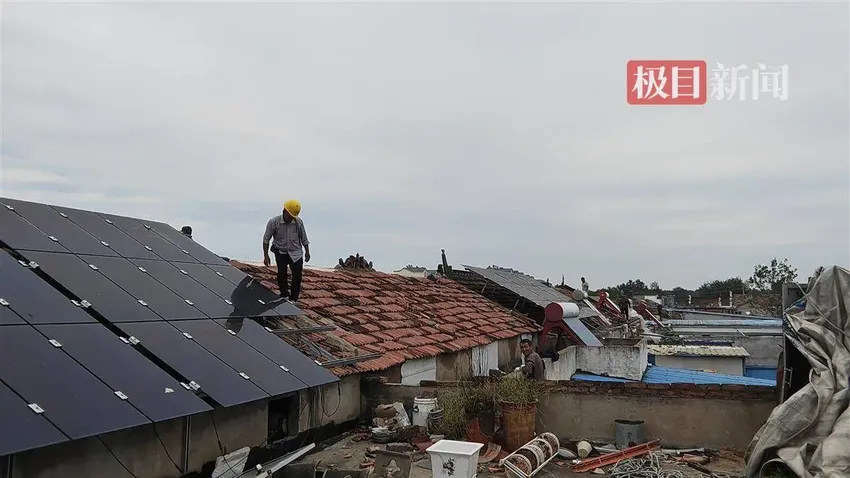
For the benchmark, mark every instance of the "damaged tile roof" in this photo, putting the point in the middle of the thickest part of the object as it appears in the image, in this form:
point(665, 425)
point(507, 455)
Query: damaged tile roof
point(402, 318)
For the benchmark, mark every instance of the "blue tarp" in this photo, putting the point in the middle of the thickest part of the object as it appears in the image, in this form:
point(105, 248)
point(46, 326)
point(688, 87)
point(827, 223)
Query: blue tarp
point(677, 375)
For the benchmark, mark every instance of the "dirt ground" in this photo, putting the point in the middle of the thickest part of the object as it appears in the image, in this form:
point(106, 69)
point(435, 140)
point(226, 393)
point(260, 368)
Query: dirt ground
point(348, 454)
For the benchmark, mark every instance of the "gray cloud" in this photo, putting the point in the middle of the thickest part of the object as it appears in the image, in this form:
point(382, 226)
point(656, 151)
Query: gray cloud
point(497, 131)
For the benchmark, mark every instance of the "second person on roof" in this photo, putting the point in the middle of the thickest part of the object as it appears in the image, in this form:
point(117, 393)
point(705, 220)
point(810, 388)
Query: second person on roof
point(287, 236)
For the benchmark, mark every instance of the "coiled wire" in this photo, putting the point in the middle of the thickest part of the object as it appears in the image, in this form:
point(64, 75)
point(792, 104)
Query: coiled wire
point(649, 466)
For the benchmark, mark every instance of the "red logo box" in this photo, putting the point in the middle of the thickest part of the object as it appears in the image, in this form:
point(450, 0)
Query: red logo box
point(666, 82)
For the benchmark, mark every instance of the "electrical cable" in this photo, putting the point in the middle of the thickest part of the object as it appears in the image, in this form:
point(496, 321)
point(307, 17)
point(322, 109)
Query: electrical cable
point(176, 466)
point(338, 402)
point(221, 446)
point(116, 458)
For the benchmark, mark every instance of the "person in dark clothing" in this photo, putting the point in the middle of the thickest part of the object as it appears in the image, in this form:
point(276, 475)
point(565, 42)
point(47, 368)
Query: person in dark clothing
point(287, 236)
point(625, 304)
point(533, 367)
point(187, 231)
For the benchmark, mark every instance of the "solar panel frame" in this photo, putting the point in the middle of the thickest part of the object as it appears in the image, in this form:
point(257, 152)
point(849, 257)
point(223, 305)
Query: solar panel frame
point(32, 298)
point(241, 357)
point(22, 429)
point(19, 234)
point(115, 362)
point(73, 399)
point(67, 233)
point(279, 352)
point(97, 226)
point(139, 284)
point(188, 358)
point(104, 296)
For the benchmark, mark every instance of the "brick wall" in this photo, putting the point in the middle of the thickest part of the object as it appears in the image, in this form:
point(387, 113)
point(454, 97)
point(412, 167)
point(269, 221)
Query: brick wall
point(658, 390)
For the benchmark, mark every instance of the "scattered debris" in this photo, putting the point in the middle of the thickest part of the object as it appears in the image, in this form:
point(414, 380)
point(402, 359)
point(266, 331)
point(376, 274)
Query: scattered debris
point(355, 262)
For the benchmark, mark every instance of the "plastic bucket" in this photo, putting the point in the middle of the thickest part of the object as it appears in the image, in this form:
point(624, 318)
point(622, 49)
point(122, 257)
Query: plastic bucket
point(421, 408)
point(454, 459)
point(518, 423)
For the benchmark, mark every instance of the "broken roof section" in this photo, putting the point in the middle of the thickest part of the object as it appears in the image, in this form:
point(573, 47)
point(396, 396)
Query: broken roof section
point(697, 350)
point(401, 318)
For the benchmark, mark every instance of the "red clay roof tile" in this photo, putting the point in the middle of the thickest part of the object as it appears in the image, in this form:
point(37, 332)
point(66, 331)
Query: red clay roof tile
point(399, 317)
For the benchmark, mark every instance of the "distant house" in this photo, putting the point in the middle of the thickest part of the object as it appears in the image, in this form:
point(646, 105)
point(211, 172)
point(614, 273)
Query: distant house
point(727, 360)
point(415, 271)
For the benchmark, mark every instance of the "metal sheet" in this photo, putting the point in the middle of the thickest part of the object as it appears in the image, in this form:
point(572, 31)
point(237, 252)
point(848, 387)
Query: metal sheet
point(17, 233)
point(582, 332)
point(231, 350)
point(137, 230)
point(248, 296)
point(189, 359)
point(33, 298)
point(177, 238)
point(188, 288)
point(521, 284)
point(143, 287)
point(148, 388)
point(248, 287)
point(21, 428)
point(73, 399)
point(97, 226)
point(68, 234)
point(280, 352)
point(104, 296)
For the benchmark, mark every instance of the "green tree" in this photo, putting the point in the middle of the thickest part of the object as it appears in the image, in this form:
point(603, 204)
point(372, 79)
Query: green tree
point(714, 287)
point(654, 287)
point(771, 277)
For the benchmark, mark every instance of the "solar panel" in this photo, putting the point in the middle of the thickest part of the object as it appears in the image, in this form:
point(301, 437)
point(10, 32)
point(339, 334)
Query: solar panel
point(9, 317)
point(188, 288)
point(137, 230)
point(97, 226)
point(189, 359)
point(87, 284)
point(122, 368)
point(279, 352)
point(200, 253)
point(577, 326)
point(252, 288)
point(138, 283)
point(21, 428)
point(522, 285)
point(17, 233)
point(73, 399)
point(34, 299)
point(239, 355)
point(54, 225)
point(248, 296)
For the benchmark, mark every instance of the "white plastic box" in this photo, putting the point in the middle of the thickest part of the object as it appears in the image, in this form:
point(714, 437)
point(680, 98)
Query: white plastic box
point(455, 459)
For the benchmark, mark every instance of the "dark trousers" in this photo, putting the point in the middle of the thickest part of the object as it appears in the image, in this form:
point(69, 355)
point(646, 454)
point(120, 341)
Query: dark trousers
point(283, 260)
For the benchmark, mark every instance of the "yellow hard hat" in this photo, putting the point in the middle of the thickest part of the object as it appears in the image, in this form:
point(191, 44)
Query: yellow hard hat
point(293, 207)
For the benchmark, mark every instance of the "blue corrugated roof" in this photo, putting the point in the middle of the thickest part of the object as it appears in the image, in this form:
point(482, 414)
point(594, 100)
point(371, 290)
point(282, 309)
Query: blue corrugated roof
point(678, 375)
point(725, 323)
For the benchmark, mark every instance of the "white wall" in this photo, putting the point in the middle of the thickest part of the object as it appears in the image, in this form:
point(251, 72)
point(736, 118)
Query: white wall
point(412, 371)
point(621, 361)
point(337, 402)
point(485, 358)
point(564, 368)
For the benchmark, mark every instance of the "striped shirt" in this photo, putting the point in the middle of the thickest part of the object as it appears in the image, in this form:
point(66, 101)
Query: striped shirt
point(287, 238)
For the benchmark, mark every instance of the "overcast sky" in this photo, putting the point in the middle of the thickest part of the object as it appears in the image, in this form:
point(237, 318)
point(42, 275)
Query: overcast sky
point(498, 132)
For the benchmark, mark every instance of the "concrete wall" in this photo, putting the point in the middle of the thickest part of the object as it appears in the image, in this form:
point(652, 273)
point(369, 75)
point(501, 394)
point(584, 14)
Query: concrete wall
point(509, 353)
point(336, 402)
point(764, 351)
point(142, 453)
point(683, 415)
point(616, 359)
point(564, 368)
point(727, 365)
point(414, 371)
point(457, 366)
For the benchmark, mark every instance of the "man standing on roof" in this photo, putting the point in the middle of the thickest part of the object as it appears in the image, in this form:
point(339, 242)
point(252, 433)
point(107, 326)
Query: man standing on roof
point(533, 367)
point(287, 235)
point(585, 286)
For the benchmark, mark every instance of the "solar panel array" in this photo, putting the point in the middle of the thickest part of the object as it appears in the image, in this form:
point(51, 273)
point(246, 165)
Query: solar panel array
point(110, 322)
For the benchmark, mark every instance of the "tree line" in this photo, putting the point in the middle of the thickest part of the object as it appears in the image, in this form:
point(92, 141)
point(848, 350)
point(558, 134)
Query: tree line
point(765, 278)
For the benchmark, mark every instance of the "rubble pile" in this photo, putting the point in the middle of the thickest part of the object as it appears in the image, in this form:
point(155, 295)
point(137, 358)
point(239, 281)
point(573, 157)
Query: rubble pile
point(355, 262)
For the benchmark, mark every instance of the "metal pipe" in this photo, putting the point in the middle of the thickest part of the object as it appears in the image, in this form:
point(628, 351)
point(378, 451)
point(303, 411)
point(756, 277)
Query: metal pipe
point(350, 360)
point(305, 330)
point(187, 436)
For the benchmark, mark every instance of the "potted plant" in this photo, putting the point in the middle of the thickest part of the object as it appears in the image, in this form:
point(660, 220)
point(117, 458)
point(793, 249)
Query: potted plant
point(517, 398)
